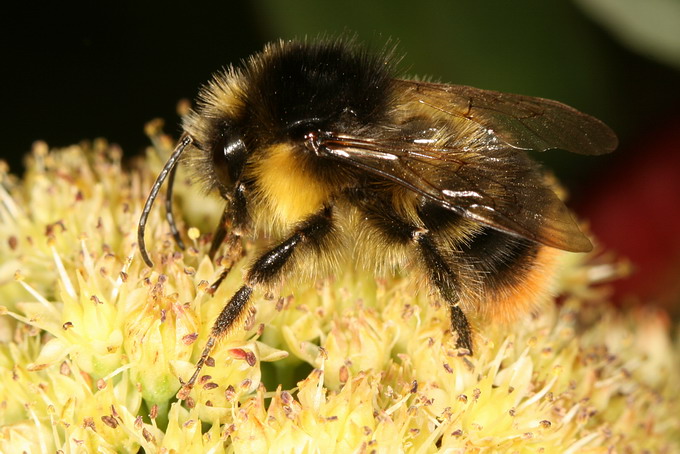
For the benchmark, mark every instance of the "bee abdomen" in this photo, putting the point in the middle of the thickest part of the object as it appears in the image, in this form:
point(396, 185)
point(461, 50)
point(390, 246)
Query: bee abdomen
point(503, 259)
point(493, 273)
point(513, 273)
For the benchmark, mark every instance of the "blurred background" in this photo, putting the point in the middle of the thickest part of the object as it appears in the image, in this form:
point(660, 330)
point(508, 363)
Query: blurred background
point(103, 69)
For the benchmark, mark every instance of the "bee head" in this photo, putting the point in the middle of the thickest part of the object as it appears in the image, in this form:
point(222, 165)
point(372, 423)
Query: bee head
point(282, 94)
point(219, 150)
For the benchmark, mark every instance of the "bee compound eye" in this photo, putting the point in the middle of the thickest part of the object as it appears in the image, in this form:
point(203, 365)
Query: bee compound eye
point(228, 159)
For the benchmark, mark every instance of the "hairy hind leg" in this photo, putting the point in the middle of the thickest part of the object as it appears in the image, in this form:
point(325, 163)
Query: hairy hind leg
point(442, 277)
point(381, 215)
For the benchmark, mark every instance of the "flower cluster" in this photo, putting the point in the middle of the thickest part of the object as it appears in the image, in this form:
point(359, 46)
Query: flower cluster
point(93, 343)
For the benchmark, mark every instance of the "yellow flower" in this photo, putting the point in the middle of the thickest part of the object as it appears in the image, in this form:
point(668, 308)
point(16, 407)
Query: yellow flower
point(94, 343)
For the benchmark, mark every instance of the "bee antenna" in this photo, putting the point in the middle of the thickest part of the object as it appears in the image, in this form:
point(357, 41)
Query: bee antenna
point(169, 216)
point(168, 169)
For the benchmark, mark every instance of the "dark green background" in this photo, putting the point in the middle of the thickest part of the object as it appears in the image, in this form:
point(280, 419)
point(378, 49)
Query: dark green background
point(79, 71)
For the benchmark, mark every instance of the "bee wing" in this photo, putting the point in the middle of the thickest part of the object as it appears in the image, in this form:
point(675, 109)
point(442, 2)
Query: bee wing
point(522, 122)
point(503, 189)
point(477, 170)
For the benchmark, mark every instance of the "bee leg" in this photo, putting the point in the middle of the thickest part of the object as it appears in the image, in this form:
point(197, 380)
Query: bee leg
point(267, 269)
point(460, 323)
point(220, 233)
point(443, 278)
point(381, 214)
point(231, 312)
point(233, 218)
point(234, 251)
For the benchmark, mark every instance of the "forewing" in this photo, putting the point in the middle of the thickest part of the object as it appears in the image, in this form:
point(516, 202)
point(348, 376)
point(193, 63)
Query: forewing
point(503, 189)
point(520, 121)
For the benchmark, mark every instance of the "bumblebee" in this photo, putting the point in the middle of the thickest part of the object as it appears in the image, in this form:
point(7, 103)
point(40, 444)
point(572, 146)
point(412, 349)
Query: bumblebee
point(317, 147)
